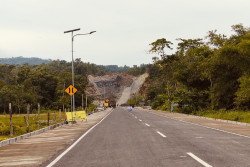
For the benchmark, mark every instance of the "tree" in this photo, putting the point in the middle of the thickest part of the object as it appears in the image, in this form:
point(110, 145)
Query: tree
point(186, 44)
point(243, 93)
point(159, 47)
point(211, 74)
point(216, 40)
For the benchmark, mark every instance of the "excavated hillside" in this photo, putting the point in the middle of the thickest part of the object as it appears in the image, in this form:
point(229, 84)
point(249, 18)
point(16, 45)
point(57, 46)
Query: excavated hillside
point(117, 87)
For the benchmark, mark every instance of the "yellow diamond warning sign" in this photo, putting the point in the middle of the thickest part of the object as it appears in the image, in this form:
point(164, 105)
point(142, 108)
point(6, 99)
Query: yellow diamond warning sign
point(71, 90)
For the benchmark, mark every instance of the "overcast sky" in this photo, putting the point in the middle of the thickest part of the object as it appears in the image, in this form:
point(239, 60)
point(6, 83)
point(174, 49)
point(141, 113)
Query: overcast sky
point(34, 28)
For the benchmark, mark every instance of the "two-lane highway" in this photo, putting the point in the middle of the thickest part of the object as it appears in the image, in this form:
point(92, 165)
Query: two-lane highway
point(140, 138)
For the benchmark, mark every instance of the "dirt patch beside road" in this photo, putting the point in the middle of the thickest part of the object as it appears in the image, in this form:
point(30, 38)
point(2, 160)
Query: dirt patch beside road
point(34, 150)
point(212, 123)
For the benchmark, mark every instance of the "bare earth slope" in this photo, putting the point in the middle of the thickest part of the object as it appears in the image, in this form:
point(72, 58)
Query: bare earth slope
point(118, 87)
point(134, 88)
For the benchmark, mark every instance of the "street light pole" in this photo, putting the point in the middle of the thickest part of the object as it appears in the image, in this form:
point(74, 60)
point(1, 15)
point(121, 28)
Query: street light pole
point(72, 97)
point(73, 84)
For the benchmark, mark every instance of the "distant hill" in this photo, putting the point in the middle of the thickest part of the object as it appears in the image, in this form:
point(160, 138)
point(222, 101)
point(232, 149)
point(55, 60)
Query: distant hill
point(105, 69)
point(23, 60)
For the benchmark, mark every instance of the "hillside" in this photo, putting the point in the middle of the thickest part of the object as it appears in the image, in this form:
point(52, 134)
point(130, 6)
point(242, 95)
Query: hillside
point(24, 60)
point(119, 87)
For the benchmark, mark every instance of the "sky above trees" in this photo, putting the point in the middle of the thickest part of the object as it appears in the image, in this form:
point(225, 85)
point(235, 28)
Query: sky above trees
point(34, 28)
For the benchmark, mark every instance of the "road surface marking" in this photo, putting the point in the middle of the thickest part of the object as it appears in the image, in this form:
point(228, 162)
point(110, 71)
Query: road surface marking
point(161, 134)
point(147, 124)
point(199, 137)
point(75, 143)
point(201, 125)
point(136, 117)
point(199, 160)
point(213, 128)
point(140, 120)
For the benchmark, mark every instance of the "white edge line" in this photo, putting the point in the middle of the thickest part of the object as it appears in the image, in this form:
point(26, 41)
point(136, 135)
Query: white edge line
point(199, 160)
point(147, 124)
point(161, 134)
point(75, 143)
point(201, 125)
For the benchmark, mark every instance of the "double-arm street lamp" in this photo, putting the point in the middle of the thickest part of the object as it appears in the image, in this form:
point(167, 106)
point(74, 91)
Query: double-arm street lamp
point(72, 39)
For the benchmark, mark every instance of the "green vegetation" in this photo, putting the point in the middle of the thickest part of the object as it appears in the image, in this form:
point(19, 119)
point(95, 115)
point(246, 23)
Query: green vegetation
point(209, 75)
point(137, 70)
point(45, 84)
point(114, 68)
point(136, 100)
point(240, 116)
point(19, 123)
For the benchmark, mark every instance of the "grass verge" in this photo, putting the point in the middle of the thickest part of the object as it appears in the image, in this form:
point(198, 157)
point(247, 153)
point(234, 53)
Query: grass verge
point(20, 126)
point(239, 116)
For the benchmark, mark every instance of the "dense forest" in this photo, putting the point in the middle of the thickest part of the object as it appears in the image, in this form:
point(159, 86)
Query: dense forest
point(45, 83)
point(210, 73)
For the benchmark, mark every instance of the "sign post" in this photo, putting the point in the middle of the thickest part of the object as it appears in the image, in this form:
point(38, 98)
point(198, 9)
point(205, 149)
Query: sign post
point(71, 90)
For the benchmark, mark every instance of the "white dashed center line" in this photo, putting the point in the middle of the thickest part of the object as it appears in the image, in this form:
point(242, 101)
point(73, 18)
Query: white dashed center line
point(140, 120)
point(147, 124)
point(162, 135)
point(199, 160)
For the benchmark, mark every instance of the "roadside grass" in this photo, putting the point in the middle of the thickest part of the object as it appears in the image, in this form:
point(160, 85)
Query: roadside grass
point(239, 116)
point(19, 123)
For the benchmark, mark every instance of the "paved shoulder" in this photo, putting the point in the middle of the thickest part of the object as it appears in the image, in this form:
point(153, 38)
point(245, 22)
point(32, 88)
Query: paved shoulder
point(212, 123)
point(35, 150)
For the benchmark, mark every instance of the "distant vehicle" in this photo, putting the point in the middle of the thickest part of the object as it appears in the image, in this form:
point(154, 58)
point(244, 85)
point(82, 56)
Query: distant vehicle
point(112, 103)
point(129, 108)
point(100, 109)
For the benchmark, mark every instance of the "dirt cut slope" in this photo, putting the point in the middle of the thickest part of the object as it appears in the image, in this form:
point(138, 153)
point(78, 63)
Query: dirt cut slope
point(118, 87)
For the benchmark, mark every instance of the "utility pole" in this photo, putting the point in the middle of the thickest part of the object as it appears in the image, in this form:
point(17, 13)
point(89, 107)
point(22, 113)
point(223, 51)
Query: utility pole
point(63, 96)
point(28, 118)
point(11, 124)
point(38, 106)
point(104, 92)
point(136, 96)
point(82, 101)
point(86, 103)
point(72, 41)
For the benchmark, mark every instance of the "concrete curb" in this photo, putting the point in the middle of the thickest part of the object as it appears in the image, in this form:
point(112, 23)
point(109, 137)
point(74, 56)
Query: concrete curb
point(18, 138)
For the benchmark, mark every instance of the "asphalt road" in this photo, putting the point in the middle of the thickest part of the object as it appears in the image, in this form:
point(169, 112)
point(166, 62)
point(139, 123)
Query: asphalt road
point(143, 139)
